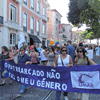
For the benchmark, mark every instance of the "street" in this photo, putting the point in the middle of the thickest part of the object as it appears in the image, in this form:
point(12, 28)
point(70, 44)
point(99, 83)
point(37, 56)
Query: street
point(10, 92)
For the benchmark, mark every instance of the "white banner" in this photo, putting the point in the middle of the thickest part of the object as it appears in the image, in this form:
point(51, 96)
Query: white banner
point(85, 79)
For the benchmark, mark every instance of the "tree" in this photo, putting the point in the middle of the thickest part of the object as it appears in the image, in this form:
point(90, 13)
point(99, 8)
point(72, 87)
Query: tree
point(88, 34)
point(83, 35)
point(74, 12)
point(87, 12)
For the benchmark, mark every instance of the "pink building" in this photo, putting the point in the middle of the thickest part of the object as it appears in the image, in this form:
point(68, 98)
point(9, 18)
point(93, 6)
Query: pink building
point(54, 19)
point(23, 16)
point(65, 33)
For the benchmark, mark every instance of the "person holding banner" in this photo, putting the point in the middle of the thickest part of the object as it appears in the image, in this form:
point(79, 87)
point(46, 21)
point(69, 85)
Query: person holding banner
point(16, 53)
point(34, 56)
point(6, 55)
point(23, 58)
point(63, 60)
point(44, 54)
point(82, 59)
point(51, 56)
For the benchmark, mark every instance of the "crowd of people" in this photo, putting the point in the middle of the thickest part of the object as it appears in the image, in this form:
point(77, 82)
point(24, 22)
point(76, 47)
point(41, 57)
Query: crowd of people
point(67, 55)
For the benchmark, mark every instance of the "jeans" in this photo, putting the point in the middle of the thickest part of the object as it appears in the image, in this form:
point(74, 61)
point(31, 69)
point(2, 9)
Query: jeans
point(58, 93)
point(22, 88)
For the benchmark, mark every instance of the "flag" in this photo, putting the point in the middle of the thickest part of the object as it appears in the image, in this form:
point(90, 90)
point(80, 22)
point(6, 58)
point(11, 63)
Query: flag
point(21, 40)
point(57, 42)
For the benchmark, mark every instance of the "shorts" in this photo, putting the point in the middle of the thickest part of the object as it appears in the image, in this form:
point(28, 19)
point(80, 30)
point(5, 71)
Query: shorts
point(45, 61)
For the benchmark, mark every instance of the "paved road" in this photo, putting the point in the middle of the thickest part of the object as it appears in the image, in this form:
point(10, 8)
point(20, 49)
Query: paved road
point(8, 92)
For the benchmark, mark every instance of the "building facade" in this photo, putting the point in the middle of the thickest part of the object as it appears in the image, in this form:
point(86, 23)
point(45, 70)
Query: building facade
point(23, 16)
point(54, 20)
point(77, 36)
point(65, 33)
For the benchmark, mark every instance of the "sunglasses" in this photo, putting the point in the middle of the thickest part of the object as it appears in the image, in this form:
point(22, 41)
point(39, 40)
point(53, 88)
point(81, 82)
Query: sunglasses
point(21, 50)
point(79, 51)
point(64, 50)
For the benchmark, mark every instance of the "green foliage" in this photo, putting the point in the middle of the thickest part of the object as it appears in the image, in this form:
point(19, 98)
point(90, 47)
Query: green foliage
point(90, 35)
point(86, 11)
point(87, 35)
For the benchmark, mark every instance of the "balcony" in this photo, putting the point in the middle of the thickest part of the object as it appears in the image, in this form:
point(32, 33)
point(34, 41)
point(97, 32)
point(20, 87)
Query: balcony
point(13, 24)
point(38, 33)
point(44, 18)
point(32, 31)
point(1, 20)
point(44, 35)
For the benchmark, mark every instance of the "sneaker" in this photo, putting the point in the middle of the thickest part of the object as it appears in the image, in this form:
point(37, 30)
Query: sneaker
point(21, 91)
point(66, 98)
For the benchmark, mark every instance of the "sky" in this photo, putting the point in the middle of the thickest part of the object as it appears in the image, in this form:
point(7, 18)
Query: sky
point(62, 7)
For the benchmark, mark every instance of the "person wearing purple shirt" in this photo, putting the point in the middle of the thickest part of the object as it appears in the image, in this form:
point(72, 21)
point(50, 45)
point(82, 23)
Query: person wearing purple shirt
point(70, 50)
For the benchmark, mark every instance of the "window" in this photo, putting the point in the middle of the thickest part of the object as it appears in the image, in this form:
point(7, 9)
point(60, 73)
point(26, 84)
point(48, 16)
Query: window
point(13, 13)
point(63, 29)
point(32, 25)
point(44, 12)
point(25, 2)
point(38, 7)
point(38, 27)
point(12, 39)
point(25, 22)
point(32, 4)
point(43, 28)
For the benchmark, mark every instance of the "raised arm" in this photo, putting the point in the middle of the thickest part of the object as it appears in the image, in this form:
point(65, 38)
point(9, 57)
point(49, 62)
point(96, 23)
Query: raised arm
point(70, 62)
point(91, 61)
point(55, 63)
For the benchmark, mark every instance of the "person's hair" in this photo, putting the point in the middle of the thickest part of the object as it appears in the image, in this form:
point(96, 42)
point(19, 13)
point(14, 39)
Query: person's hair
point(26, 46)
point(35, 49)
point(44, 47)
point(16, 46)
point(90, 47)
point(23, 48)
point(80, 44)
point(52, 49)
point(62, 48)
point(5, 48)
point(83, 50)
point(65, 45)
point(69, 41)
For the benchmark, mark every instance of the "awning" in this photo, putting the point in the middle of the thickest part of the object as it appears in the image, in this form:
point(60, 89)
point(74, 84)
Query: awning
point(35, 38)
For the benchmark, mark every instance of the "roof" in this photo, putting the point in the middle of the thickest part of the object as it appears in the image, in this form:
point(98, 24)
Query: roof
point(55, 11)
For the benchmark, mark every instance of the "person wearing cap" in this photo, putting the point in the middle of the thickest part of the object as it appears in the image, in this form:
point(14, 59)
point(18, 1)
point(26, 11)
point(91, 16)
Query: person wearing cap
point(44, 54)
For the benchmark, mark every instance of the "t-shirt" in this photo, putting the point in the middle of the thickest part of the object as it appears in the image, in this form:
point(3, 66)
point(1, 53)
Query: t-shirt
point(71, 51)
point(23, 59)
point(38, 49)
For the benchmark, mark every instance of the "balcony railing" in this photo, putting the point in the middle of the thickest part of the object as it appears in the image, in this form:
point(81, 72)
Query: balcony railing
point(13, 24)
point(17, 1)
point(44, 18)
point(32, 31)
point(44, 35)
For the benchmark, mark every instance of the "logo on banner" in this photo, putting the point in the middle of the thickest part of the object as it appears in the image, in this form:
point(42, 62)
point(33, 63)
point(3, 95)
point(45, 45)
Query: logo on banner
point(83, 79)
